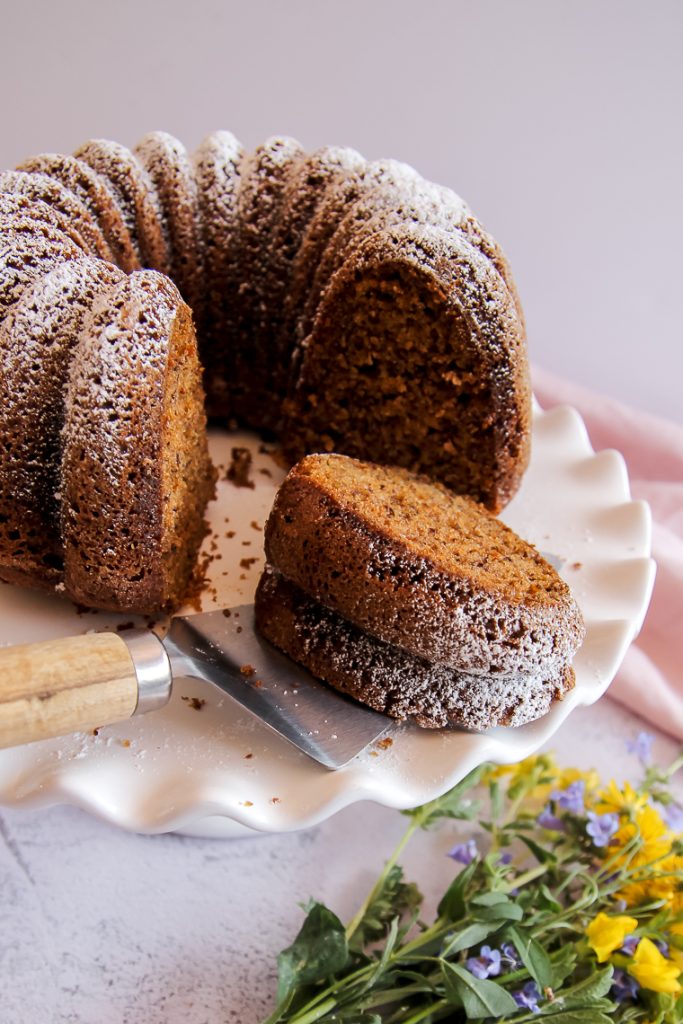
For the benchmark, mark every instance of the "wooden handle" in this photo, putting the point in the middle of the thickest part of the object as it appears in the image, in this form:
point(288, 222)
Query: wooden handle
point(66, 685)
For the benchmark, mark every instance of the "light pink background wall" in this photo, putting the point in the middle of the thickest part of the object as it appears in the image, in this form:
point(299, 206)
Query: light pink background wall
point(560, 122)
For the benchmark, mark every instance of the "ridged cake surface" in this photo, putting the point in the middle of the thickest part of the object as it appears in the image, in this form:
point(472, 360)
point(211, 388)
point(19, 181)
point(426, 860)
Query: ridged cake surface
point(340, 305)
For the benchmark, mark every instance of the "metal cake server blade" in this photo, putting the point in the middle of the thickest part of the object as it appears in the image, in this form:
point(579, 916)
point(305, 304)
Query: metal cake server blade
point(80, 683)
point(223, 647)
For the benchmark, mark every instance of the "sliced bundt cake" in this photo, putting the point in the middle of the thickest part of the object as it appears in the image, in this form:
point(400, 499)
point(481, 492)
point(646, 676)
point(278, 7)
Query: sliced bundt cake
point(341, 304)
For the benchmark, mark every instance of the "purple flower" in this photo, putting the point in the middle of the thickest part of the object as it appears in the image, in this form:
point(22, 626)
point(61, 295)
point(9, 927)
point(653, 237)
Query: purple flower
point(486, 965)
point(547, 819)
point(505, 859)
point(601, 827)
point(641, 746)
point(528, 997)
point(624, 987)
point(661, 946)
point(630, 944)
point(464, 853)
point(571, 798)
point(510, 956)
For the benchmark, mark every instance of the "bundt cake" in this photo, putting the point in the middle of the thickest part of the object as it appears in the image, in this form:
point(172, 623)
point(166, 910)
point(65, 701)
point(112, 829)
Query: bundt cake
point(412, 599)
point(340, 304)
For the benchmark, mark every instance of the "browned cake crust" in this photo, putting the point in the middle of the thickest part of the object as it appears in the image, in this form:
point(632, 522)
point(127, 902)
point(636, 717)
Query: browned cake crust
point(136, 474)
point(312, 177)
point(217, 167)
point(96, 194)
point(23, 215)
point(259, 202)
point(41, 329)
point(168, 165)
point(135, 195)
point(420, 568)
point(390, 680)
point(29, 246)
point(83, 227)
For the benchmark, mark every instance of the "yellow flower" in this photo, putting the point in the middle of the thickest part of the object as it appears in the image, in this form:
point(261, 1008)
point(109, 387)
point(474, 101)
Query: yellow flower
point(523, 769)
point(605, 934)
point(620, 801)
point(656, 838)
point(654, 971)
point(569, 775)
point(543, 765)
point(662, 881)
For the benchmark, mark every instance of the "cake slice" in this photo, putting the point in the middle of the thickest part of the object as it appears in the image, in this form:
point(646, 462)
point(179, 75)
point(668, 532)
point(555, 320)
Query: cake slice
point(136, 474)
point(420, 568)
point(388, 679)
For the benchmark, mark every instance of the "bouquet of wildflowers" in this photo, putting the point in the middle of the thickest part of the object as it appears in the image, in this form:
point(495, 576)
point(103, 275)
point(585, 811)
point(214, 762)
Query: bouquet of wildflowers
point(567, 906)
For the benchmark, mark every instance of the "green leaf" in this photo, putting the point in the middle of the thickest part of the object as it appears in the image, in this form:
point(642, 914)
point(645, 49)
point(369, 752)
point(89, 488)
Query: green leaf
point(394, 899)
point(496, 798)
point(318, 952)
point(451, 804)
point(563, 961)
point(489, 899)
point(546, 901)
point(594, 987)
point(542, 855)
point(504, 911)
point(478, 997)
point(452, 906)
point(533, 956)
point(470, 936)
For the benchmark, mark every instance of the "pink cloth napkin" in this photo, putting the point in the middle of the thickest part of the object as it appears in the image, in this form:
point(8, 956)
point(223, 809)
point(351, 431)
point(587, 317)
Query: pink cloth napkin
point(650, 681)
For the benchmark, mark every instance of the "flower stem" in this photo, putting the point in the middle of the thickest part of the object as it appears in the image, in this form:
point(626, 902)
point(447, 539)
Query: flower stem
point(354, 924)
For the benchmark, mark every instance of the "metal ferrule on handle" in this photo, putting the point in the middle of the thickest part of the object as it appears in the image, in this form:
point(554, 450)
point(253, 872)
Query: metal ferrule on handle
point(152, 668)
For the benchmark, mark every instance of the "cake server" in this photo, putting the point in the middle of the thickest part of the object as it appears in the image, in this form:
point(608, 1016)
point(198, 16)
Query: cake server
point(81, 683)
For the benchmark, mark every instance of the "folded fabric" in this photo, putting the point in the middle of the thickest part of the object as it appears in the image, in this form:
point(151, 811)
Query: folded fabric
point(650, 680)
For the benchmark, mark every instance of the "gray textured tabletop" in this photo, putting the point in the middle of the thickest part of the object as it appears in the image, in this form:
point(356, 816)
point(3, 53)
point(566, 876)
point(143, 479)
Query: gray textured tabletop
point(99, 925)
